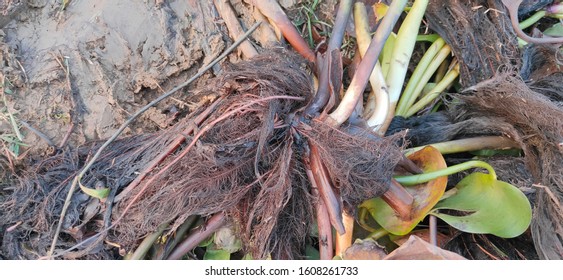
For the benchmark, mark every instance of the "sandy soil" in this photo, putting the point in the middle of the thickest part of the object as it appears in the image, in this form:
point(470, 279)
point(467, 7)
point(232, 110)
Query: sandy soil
point(96, 62)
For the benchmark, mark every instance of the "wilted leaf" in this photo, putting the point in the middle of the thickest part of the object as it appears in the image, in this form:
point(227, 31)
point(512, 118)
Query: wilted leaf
point(225, 239)
point(366, 249)
point(380, 10)
point(99, 193)
point(216, 255)
point(486, 205)
point(417, 249)
point(425, 195)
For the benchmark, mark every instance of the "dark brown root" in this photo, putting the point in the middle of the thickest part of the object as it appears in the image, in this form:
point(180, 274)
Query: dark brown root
point(38, 197)
point(243, 165)
point(360, 163)
point(479, 33)
point(490, 247)
point(246, 160)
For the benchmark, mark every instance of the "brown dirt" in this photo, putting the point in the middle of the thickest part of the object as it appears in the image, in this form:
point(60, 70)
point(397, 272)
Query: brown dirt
point(118, 55)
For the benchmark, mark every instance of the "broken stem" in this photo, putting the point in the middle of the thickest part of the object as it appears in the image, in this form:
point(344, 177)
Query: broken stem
point(272, 10)
point(344, 241)
point(399, 199)
point(235, 29)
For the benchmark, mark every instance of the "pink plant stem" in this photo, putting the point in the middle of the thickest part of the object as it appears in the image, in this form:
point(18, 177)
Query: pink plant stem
point(212, 225)
point(326, 248)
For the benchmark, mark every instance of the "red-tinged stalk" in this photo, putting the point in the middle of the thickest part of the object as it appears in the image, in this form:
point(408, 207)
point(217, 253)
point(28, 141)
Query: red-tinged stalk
point(272, 10)
point(326, 192)
point(379, 103)
point(326, 248)
point(360, 79)
point(512, 7)
point(323, 94)
point(399, 199)
point(204, 232)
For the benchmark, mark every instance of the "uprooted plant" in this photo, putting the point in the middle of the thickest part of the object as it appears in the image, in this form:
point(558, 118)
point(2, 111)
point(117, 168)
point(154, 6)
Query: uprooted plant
point(265, 151)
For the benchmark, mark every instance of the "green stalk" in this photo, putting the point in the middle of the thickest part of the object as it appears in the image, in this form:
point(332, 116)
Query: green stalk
point(439, 88)
point(410, 180)
point(387, 54)
point(147, 243)
point(470, 144)
point(441, 72)
point(404, 46)
point(533, 19)
point(428, 73)
point(362, 215)
point(417, 75)
point(360, 79)
point(428, 38)
point(378, 234)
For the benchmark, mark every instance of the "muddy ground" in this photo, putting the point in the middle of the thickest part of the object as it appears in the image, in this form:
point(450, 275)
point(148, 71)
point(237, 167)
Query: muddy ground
point(89, 66)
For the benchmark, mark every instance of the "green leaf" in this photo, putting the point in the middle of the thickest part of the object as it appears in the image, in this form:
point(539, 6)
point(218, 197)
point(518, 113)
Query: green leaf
point(207, 242)
point(555, 31)
point(216, 255)
point(486, 205)
point(99, 193)
point(311, 253)
point(425, 195)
